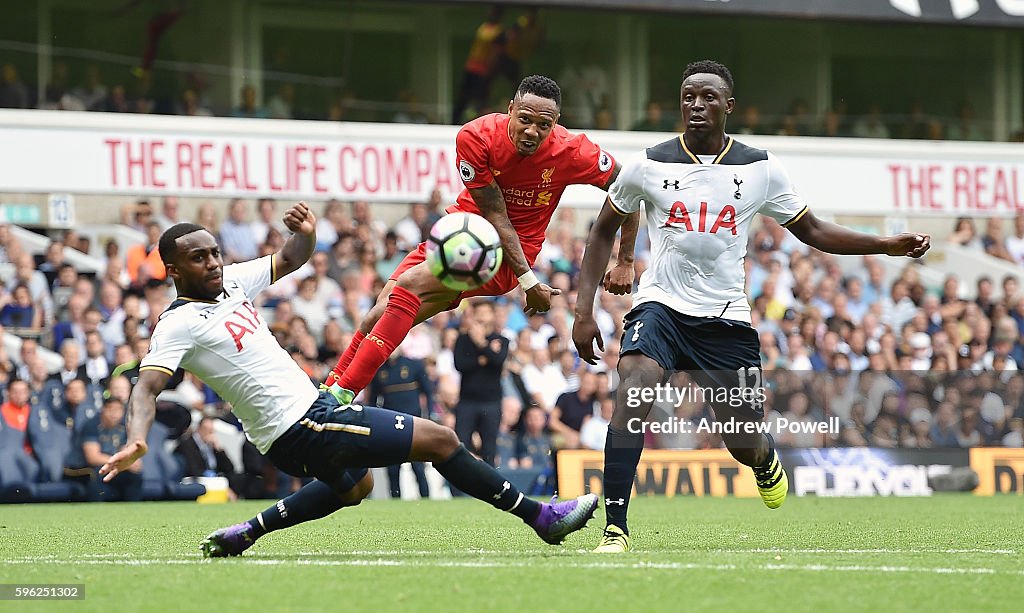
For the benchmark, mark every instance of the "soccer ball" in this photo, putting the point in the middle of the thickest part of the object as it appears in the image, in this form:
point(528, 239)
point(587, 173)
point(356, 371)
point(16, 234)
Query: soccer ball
point(463, 251)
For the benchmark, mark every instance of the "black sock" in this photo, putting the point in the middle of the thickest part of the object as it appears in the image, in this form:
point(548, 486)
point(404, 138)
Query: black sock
point(479, 479)
point(315, 500)
point(770, 458)
point(621, 455)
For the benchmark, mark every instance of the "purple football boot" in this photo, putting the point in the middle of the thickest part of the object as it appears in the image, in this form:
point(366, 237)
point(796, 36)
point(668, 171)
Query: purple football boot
point(230, 541)
point(557, 520)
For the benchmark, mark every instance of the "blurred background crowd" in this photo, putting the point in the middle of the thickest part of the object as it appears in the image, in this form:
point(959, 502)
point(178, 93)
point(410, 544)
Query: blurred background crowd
point(470, 62)
point(907, 357)
point(901, 364)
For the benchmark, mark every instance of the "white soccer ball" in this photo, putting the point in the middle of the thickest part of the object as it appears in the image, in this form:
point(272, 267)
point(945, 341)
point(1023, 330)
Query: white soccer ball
point(463, 251)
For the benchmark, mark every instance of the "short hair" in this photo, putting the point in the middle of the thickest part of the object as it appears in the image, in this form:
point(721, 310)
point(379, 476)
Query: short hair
point(709, 67)
point(168, 240)
point(542, 86)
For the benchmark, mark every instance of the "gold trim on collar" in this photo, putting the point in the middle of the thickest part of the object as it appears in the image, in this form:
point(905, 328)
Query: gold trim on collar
point(188, 299)
point(696, 160)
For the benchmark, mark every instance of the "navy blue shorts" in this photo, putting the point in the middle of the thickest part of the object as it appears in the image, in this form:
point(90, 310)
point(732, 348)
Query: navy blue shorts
point(720, 353)
point(337, 444)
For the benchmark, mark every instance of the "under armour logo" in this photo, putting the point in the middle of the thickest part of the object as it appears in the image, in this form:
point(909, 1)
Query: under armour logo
point(399, 422)
point(738, 182)
point(504, 488)
point(636, 330)
point(620, 501)
point(674, 184)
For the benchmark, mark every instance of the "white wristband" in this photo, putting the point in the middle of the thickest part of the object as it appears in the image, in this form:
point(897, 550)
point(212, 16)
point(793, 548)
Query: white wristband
point(527, 280)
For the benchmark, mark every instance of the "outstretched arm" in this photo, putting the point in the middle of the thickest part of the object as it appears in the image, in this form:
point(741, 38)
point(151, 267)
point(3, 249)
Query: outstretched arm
point(141, 411)
point(595, 259)
point(491, 203)
point(619, 280)
point(832, 238)
point(297, 250)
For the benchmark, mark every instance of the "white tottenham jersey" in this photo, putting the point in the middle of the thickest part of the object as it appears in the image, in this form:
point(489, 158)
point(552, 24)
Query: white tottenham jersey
point(698, 219)
point(229, 346)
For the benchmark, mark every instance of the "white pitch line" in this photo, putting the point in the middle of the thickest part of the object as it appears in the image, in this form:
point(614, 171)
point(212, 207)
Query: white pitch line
point(485, 552)
point(379, 562)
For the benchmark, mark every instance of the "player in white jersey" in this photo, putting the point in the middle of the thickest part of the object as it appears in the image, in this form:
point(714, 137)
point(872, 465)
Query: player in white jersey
point(700, 192)
point(214, 331)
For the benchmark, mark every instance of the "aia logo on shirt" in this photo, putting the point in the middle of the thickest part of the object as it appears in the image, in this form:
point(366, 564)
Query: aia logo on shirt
point(679, 216)
point(242, 321)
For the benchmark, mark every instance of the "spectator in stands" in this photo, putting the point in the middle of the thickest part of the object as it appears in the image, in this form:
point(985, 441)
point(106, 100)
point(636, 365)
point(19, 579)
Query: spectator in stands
point(751, 122)
point(142, 260)
point(332, 226)
point(507, 447)
point(993, 240)
point(595, 427)
point(1014, 244)
point(28, 353)
point(943, 431)
point(169, 210)
point(76, 406)
point(236, 234)
point(101, 438)
point(311, 306)
point(13, 93)
point(653, 120)
point(16, 409)
point(268, 219)
point(965, 127)
point(480, 353)
point(207, 217)
point(478, 71)
point(249, 105)
point(535, 446)
point(25, 273)
point(572, 408)
point(191, 105)
point(201, 452)
point(402, 384)
point(281, 104)
point(72, 367)
point(412, 229)
point(117, 101)
point(411, 110)
point(21, 314)
point(965, 234)
point(871, 125)
point(97, 369)
point(52, 261)
point(392, 257)
point(93, 92)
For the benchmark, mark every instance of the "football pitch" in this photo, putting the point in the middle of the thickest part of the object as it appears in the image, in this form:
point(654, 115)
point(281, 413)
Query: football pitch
point(946, 553)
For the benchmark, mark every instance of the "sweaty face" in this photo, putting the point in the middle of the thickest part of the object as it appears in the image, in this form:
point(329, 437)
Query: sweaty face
point(532, 119)
point(705, 101)
point(198, 268)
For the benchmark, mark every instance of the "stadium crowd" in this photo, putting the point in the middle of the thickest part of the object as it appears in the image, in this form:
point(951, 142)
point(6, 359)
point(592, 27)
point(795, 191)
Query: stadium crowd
point(589, 108)
point(900, 365)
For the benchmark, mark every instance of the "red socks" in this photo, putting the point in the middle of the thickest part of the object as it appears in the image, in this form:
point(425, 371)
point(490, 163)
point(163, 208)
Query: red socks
point(388, 333)
point(345, 359)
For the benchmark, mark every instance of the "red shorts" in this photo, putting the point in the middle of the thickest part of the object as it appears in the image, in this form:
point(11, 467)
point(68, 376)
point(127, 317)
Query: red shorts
point(504, 282)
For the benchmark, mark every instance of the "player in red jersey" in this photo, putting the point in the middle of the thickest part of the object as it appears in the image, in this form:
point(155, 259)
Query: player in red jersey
point(515, 168)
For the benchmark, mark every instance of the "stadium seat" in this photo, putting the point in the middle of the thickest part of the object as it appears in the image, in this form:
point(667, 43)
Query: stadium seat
point(63, 491)
point(51, 441)
point(161, 475)
point(17, 469)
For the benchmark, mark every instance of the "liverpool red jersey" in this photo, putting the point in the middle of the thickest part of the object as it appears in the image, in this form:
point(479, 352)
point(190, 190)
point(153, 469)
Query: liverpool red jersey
point(531, 184)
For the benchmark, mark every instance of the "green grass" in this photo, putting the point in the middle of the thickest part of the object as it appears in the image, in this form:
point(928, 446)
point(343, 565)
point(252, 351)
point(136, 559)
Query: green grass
point(947, 553)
